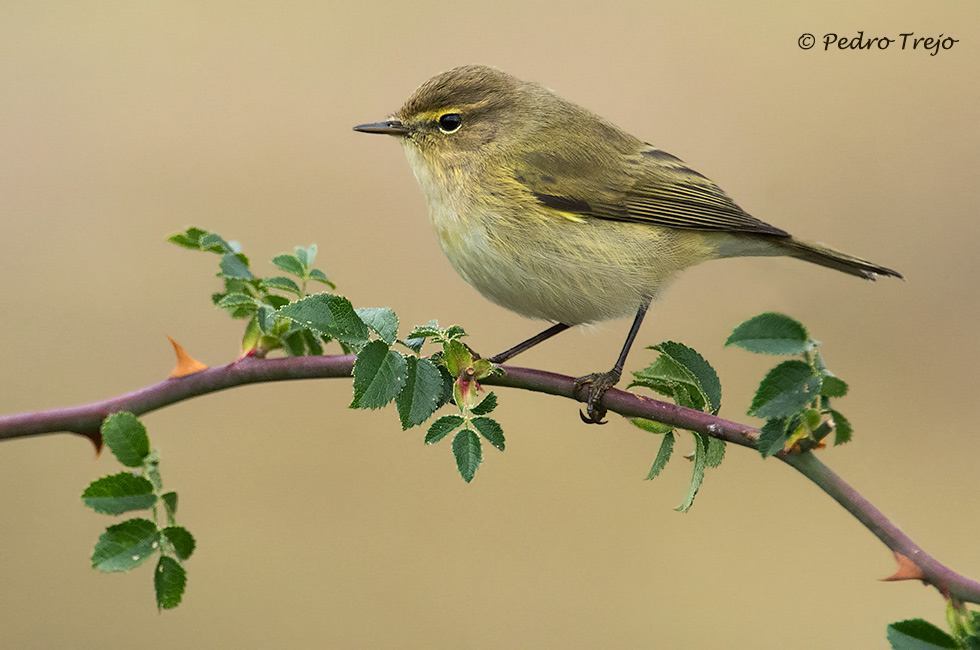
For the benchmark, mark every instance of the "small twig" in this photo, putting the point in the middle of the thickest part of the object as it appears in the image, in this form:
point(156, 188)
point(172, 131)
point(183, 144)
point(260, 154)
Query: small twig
point(86, 418)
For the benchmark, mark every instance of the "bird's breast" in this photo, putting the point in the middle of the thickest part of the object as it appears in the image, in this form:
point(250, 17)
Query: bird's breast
point(538, 262)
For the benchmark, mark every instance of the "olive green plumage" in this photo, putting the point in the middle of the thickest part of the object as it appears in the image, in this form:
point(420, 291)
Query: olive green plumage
point(553, 212)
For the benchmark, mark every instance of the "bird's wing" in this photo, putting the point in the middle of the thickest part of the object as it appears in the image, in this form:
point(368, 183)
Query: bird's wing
point(654, 188)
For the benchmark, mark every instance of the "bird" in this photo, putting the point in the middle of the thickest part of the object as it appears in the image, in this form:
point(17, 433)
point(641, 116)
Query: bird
point(555, 213)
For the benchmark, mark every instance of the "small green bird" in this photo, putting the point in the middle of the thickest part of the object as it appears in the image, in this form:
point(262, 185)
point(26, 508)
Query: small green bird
point(556, 214)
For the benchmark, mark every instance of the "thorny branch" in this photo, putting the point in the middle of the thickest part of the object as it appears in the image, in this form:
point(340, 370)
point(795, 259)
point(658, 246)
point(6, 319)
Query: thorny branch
point(85, 419)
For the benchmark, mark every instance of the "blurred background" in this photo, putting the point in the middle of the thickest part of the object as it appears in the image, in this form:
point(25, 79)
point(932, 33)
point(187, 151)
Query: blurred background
point(317, 526)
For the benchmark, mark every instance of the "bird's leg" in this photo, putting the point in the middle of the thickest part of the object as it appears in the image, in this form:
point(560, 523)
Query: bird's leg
point(600, 382)
point(528, 344)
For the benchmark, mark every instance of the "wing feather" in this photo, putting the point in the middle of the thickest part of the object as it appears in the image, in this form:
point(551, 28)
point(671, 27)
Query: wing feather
point(654, 187)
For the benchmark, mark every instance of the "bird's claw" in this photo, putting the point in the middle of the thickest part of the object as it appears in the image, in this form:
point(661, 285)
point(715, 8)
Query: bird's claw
point(595, 418)
point(599, 383)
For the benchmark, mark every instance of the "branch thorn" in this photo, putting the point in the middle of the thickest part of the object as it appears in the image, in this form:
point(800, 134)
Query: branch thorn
point(186, 364)
point(907, 570)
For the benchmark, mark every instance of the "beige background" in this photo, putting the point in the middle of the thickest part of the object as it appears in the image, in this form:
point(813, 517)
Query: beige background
point(122, 122)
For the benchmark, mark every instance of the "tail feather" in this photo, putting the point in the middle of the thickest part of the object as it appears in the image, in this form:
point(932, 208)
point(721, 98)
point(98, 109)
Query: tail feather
point(832, 259)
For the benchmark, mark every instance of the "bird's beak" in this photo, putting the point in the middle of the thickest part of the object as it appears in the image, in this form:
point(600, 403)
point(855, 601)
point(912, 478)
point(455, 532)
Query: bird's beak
point(391, 127)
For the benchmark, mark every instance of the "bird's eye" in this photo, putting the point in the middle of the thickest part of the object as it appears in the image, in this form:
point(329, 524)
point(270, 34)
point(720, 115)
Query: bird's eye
point(450, 122)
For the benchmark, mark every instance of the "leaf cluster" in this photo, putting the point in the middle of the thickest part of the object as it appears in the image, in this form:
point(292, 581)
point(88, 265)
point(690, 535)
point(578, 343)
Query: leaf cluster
point(684, 376)
point(282, 315)
point(795, 396)
point(127, 545)
point(249, 296)
point(417, 384)
point(460, 362)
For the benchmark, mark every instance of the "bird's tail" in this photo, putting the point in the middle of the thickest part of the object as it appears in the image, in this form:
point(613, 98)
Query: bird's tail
point(832, 259)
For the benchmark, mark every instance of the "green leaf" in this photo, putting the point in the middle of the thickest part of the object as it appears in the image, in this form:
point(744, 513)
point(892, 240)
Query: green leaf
point(456, 357)
point(328, 315)
point(382, 320)
point(415, 345)
point(236, 300)
point(275, 300)
point(202, 240)
point(842, 428)
point(306, 255)
point(235, 266)
point(697, 474)
point(964, 625)
point(182, 540)
point(668, 377)
point(491, 430)
point(468, 453)
point(169, 582)
point(295, 344)
point(426, 331)
point(125, 546)
point(189, 239)
point(242, 311)
point(483, 368)
point(379, 375)
point(214, 243)
point(170, 505)
point(443, 427)
point(651, 426)
point(448, 385)
point(486, 405)
point(267, 318)
point(320, 276)
point(126, 436)
point(422, 393)
point(772, 437)
point(707, 379)
point(811, 418)
point(663, 455)
point(772, 333)
point(313, 343)
point(833, 386)
point(454, 332)
point(971, 629)
point(715, 452)
point(119, 493)
point(289, 264)
point(785, 391)
point(253, 333)
point(917, 634)
point(282, 284)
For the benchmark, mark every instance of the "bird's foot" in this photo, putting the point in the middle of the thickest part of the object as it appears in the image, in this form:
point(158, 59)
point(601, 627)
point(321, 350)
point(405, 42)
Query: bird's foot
point(598, 383)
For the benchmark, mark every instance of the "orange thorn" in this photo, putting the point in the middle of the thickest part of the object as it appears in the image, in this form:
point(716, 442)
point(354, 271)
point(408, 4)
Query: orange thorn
point(186, 364)
point(907, 570)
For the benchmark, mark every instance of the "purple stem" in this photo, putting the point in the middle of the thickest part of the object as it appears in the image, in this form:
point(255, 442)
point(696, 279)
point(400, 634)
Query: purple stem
point(85, 419)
